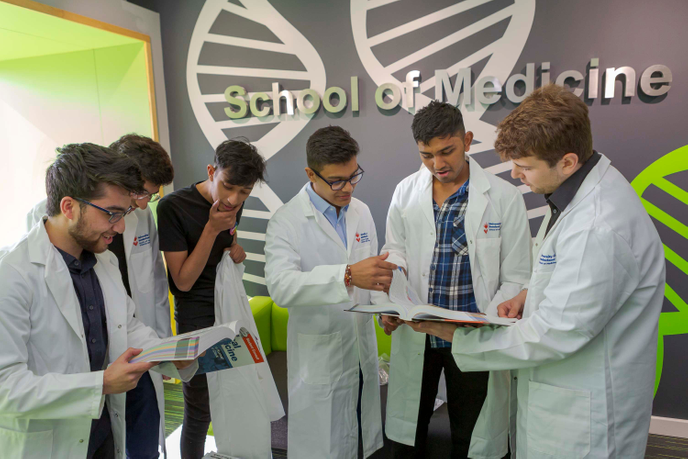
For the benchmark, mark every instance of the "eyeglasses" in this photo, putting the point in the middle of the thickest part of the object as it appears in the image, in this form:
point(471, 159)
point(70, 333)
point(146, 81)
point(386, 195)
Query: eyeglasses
point(114, 216)
point(153, 196)
point(339, 184)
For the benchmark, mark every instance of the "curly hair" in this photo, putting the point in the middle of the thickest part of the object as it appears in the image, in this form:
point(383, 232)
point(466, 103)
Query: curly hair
point(245, 165)
point(80, 171)
point(548, 124)
point(151, 157)
point(437, 120)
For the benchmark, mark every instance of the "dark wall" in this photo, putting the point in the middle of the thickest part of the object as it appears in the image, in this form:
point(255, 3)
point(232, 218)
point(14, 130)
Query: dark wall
point(318, 41)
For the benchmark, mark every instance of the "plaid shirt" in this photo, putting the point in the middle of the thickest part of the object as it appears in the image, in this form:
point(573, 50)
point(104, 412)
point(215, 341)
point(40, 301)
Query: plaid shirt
point(451, 284)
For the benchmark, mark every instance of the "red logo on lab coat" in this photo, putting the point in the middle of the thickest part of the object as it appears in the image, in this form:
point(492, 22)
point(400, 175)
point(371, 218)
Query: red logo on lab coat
point(485, 228)
point(358, 237)
point(136, 242)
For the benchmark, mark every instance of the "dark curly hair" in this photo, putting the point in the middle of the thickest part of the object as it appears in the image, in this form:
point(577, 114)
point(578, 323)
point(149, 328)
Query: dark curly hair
point(437, 119)
point(151, 157)
point(244, 164)
point(81, 170)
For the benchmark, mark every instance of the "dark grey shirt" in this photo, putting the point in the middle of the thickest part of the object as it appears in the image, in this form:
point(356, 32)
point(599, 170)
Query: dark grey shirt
point(563, 195)
point(92, 304)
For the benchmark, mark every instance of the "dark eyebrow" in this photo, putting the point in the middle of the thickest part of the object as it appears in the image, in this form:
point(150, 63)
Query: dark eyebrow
point(445, 149)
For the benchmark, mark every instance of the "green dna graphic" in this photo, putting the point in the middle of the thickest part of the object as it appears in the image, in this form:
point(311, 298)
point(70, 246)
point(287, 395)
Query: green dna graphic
point(670, 323)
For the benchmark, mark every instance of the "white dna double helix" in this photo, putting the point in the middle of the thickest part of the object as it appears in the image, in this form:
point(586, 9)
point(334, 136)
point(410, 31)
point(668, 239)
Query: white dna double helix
point(285, 127)
point(501, 54)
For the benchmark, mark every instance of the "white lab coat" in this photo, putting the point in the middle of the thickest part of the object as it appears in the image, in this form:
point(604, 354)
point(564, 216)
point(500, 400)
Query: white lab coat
point(498, 238)
point(48, 395)
point(147, 281)
point(586, 346)
point(244, 400)
point(305, 264)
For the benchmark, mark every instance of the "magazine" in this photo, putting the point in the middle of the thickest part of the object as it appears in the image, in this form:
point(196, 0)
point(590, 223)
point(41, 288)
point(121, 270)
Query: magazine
point(406, 305)
point(221, 347)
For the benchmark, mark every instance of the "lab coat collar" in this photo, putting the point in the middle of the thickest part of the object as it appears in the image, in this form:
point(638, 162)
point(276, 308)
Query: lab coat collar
point(310, 211)
point(591, 180)
point(478, 178)
point(39, 244)
point(563, 195)
point(478, 187)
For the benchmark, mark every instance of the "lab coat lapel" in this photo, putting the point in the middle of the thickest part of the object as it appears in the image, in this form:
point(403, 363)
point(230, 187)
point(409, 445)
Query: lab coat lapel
point(426, 198)
point(115, 298)
point(310, 211)
point(131, 222)
point(57, 277)
point(352, 219)
point(477, 204)
point(60, 284)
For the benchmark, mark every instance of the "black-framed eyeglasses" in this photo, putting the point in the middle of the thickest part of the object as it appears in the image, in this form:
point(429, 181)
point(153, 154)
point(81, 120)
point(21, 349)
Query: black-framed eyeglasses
point(153, 196)
point(339, 184)
point(114, 216)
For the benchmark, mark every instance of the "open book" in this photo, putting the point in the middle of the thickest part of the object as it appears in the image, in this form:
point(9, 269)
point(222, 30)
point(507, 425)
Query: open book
point(407, 306)
point(225, 346)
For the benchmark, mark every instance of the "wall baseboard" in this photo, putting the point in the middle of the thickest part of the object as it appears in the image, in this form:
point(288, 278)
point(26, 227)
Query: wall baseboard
point(669, 426)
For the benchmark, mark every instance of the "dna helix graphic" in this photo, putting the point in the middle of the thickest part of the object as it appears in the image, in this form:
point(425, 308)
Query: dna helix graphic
point(257, 26)
point(460, 29)
point(661, 174)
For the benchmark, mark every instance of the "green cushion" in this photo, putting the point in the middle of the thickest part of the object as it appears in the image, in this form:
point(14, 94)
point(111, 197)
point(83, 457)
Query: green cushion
point(384, 342)
point(278, 334)
point(261, 306)
point(271, 321)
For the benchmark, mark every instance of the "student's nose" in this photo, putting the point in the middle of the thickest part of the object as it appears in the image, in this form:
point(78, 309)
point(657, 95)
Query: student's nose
point(119, 226)
point(515, 172)
point(233, 199)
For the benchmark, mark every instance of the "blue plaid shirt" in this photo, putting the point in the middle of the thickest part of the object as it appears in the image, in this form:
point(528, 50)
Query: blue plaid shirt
point(451, 284)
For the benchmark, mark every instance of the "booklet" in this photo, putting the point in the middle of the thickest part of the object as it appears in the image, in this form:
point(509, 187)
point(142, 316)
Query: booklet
point(407, 306)
point(217, 348)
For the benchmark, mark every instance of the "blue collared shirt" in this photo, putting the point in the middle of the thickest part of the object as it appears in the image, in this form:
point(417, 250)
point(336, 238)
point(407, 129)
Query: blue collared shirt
point(330, 213)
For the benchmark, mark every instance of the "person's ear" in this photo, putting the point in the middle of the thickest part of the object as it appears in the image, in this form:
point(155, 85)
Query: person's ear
point(68, 207)
point(211, 172)
point(467, 140)
point(311, 175)
point(569, 162)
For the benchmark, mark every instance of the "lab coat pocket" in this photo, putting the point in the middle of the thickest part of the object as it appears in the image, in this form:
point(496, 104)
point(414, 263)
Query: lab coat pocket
point(558, 422)
point(321, 358)
point(26, 444)
point(142, 267)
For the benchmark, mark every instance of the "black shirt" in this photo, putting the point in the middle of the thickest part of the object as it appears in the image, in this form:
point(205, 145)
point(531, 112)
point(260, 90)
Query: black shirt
point(92, 304)
point(117, 247)
point(563, 195)
point(182, 216)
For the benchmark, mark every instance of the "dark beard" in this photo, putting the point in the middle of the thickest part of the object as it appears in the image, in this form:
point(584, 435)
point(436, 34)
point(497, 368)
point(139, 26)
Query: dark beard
point(78, 233)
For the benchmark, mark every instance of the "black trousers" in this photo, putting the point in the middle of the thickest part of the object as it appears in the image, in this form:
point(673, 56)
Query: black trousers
point(466, 394)
point(196, 410)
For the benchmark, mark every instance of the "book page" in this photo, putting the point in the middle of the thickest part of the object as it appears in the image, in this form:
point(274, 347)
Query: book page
point(401, 292)
point(189, 346)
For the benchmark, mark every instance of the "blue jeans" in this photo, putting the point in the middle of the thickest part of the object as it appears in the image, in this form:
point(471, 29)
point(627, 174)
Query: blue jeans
point(143, 420)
